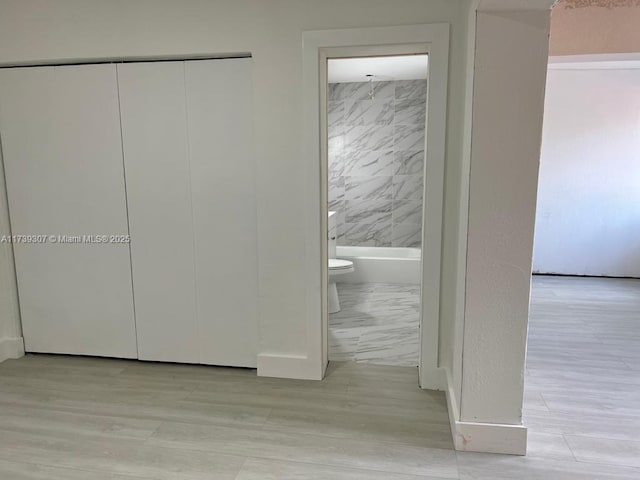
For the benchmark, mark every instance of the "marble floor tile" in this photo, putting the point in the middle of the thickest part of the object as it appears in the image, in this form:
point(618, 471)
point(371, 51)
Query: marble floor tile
point(378, 324)
point(390, 345)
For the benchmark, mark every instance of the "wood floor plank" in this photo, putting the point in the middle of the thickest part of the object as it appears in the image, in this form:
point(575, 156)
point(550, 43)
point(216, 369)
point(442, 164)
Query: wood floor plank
point(71, 418)
point(260, 469)
point(118, 456)
point(279, 444)
point(30, 471)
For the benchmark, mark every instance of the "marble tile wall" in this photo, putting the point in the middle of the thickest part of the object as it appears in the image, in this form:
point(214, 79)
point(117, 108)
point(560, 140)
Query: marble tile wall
point(376, 162)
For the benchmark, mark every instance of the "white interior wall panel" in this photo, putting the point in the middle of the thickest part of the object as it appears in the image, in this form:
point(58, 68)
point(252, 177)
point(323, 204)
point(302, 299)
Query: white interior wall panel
point(224, 209)
point(154, 133)
point(588, 209)
point(60, 133)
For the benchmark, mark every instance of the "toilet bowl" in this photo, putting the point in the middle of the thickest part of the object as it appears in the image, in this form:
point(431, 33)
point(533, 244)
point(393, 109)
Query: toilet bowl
point(337, 266)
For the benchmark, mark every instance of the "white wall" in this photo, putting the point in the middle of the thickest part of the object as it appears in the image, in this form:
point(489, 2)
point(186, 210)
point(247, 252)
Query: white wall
point(588, 218)
point(41, 30)
point(502, 156)
point(505, 151)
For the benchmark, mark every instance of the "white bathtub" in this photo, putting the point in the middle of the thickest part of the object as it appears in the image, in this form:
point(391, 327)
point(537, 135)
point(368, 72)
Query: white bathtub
point(382, 264)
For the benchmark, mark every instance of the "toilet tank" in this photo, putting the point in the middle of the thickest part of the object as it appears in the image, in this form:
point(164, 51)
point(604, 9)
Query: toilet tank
point(333, 234)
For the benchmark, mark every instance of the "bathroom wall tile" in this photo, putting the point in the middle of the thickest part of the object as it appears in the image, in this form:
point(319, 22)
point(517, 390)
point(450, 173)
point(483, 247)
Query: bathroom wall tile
point(379, 111)
point(367, 211)
point(407, 211)
point(380, 90)
point(377, 148)
point(369, 163)
point(336, 141)
point(369, 217)
point(410, 112)
point(410, 89)
point(369, 137)
point(375, 235)
point(335, 91)
point(408, 162)
point(336, 205)
point(336, 164)
point(336, 189)
point(360, 90)
point(335, 113)
point(340, 91)
point(368, 188)
point(339, 208)
point(407, 186)
point(406, 235)
point(406, 137)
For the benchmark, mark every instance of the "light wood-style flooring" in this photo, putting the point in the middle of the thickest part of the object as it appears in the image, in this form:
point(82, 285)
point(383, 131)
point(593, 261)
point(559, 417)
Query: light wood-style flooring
point(76, 418)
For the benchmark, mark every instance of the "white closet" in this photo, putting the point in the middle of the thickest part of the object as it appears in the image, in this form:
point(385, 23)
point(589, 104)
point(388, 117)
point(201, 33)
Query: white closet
point(60, 134)
point(187, 193)
point(154, 134)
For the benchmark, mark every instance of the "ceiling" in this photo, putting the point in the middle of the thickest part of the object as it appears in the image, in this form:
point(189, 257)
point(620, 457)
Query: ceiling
point(400, 67)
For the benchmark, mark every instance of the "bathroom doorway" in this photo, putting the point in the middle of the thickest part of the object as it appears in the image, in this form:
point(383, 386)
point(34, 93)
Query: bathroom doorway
point(319, 47)
point(376, 112)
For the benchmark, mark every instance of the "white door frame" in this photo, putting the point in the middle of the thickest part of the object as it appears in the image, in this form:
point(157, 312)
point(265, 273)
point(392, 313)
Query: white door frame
point(432, 39)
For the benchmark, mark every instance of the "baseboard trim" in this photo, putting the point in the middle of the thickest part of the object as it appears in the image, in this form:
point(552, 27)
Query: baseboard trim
point(491, 438)
point(452, 407)
point(577, 275)
point(483, 437)
point(288, 366)
point(11, 348)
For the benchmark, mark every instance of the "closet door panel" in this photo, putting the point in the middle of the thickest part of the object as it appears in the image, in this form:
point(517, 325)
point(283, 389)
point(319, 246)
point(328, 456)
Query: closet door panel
point(154, 132)
point(224, 209)
point(60, 133)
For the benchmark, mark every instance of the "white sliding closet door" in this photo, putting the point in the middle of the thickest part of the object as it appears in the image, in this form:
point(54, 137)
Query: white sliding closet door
point(60, 133)
point(224, 209)
point(154, 133)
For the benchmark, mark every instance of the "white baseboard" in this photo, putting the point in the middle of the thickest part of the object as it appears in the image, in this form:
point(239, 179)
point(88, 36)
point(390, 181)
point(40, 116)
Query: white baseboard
point(11, 348)
point(491, 438)
point(288, 366)
point(452, 407)
point(483, 437)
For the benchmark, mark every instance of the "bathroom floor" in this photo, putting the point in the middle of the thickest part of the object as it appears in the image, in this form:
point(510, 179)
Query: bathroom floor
point(377, 323)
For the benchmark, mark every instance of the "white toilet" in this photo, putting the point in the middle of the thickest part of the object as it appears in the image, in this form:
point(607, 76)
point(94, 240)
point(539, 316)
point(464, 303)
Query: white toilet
point(336, 265)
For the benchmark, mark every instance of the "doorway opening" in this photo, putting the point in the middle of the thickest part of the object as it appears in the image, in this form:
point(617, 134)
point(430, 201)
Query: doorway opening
point(376, 112)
